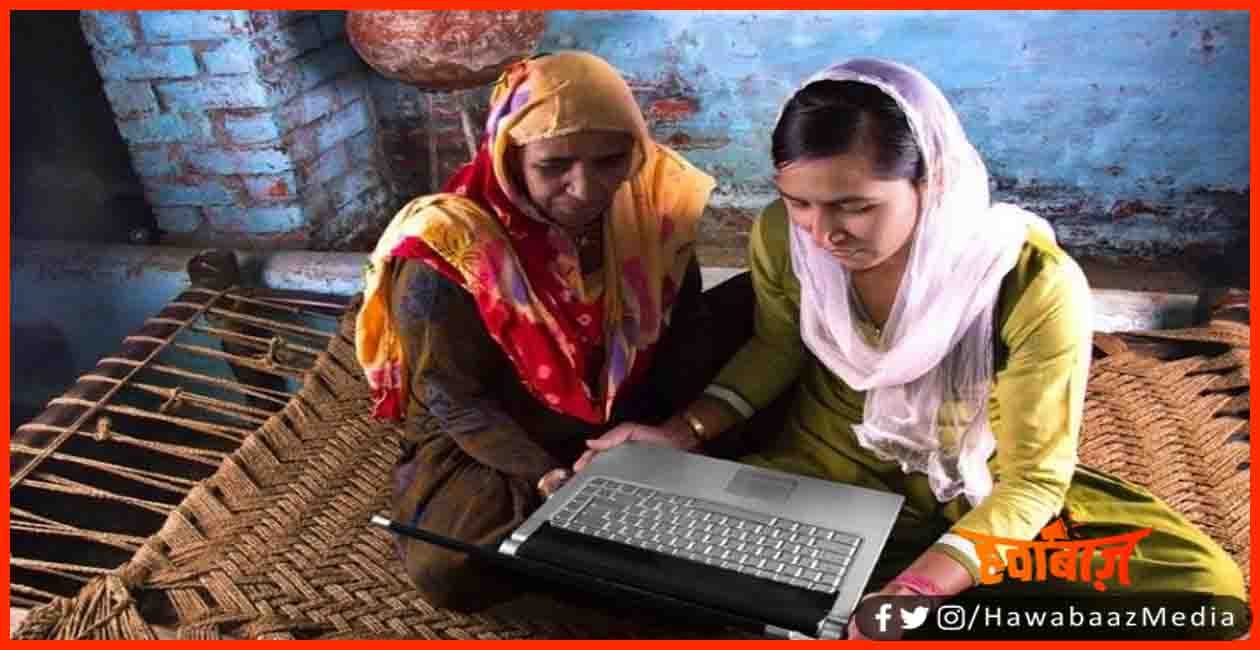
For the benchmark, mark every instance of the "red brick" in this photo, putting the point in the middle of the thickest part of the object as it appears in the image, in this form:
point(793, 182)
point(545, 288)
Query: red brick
point(671, 109)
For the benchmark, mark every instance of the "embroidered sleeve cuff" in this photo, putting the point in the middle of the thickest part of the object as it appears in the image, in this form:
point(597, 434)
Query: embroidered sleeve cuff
point(963, 551)
point(732, 399)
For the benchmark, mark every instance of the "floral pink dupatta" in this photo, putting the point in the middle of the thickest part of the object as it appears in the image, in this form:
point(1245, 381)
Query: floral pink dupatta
point(522, 270)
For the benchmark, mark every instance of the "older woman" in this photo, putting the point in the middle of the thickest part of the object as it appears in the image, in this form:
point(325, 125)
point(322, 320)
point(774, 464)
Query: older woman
point(937, 346)
point(527, 307)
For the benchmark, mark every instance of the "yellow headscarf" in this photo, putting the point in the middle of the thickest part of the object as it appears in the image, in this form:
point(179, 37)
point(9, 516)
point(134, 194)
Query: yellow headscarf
point(485, 235)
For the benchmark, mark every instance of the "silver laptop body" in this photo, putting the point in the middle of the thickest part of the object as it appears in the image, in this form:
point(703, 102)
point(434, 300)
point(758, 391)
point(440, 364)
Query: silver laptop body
point(808, 533)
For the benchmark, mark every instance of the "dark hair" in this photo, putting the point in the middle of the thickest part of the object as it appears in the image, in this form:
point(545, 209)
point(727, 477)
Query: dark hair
point(831, 118)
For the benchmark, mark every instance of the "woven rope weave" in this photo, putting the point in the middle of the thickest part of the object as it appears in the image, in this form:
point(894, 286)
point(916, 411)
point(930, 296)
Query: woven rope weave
point(1179, 426)
point(275, 543)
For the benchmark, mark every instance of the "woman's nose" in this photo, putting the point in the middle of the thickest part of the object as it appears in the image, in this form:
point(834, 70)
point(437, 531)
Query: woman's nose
point(825, 230)
point(581, 185)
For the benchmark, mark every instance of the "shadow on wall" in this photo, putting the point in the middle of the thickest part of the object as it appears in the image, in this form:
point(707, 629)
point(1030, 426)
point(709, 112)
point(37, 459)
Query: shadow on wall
point(71, 175)
point(41, 365)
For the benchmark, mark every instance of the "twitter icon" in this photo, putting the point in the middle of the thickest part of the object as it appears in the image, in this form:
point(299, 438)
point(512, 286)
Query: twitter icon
point(913, 618)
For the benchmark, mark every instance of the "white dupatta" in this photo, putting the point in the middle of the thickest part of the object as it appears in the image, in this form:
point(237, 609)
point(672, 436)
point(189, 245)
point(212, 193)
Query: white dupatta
point(928, 380)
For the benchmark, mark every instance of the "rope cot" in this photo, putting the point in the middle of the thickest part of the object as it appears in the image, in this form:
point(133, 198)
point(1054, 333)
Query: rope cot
point(274, 543)
point(98, 470)
point(1170, 410)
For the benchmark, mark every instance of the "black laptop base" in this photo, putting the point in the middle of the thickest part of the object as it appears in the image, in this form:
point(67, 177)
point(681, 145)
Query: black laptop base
point(605, 569)
point(750, 597)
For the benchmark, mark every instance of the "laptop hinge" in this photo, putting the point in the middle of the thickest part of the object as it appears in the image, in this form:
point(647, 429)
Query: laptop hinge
point(518, 537)
point(835, 624)
point(832, 628)
point(509, 546)
point(776, 632)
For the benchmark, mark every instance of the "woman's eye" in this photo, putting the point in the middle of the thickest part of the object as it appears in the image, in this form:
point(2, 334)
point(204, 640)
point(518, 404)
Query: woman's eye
point(800, 218)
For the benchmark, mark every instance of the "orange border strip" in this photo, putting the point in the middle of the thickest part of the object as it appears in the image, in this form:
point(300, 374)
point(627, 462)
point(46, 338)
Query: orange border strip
point(1255, 23)
point(4, 245)
point(711, 4)
point(685, 5)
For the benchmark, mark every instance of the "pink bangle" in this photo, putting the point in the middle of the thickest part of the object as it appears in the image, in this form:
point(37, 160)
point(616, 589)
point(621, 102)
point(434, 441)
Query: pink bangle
point(918, 584)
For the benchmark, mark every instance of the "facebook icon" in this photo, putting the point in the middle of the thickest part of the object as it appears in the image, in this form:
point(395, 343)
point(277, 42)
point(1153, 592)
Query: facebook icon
point(883, 615)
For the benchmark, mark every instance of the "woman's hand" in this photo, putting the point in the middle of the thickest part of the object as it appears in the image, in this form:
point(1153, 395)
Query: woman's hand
point(933, 577)
point(552, 481)
point(674, 433)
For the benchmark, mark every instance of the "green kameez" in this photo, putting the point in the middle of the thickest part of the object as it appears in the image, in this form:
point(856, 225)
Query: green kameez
point(1043, 347)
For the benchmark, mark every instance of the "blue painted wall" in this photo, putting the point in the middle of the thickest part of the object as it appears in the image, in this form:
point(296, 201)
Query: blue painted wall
point(72, 303)
point(1056, 97)
point(1125, 127)
point(1129, 130)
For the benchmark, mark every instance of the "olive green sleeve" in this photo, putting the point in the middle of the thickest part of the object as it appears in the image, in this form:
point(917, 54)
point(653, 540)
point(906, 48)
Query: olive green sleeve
point(772, 359)
point(1040, 398)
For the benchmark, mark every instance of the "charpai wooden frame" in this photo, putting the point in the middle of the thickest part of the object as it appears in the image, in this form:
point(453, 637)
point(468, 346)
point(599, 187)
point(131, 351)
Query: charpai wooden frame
point(147, 384)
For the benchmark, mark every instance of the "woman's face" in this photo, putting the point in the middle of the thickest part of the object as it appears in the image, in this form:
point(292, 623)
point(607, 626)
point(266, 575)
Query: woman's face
point(860, 219)
point(573, 178)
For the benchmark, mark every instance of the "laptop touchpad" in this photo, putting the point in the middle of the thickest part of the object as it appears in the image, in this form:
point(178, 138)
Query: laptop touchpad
point(756, 485)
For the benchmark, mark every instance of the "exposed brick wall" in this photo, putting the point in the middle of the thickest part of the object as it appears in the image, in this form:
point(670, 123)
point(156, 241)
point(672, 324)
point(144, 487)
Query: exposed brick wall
point(246, 127)
point(264, 125)
point(406, 122)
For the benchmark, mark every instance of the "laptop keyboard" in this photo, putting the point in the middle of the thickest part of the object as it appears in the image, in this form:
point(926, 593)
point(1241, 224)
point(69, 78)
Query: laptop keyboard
point(751, 543)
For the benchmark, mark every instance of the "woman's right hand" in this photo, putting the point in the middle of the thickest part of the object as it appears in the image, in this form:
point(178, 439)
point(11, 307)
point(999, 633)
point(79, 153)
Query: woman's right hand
point(673, 433)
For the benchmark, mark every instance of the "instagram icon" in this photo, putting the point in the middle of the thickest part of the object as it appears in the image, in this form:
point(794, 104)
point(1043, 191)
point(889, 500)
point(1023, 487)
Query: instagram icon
point(951, 617)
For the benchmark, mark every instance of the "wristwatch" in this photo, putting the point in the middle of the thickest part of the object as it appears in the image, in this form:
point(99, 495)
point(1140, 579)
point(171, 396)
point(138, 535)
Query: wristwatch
point(697, 427)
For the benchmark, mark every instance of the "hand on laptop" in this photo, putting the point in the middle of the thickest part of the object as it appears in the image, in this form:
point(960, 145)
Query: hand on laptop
point(679, 436)
point(552, 481)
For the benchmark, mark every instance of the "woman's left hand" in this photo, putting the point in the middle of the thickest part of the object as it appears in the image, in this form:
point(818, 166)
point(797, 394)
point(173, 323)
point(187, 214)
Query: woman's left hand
point(552, 481)
point(665, 436)
point(939, 577)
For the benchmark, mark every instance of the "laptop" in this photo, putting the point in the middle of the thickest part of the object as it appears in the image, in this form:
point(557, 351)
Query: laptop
point(783, 555)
